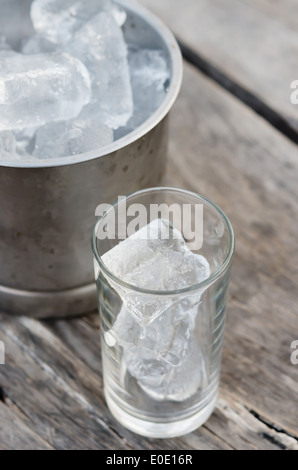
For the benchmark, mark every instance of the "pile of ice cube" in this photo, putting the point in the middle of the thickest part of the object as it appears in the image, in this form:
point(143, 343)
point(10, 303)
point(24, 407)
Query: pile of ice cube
point(159, 334)
point(69, 83)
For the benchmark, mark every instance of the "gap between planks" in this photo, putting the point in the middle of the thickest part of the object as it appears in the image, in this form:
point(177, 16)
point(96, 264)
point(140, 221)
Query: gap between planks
point(275, 119)
point(251, 42)
point(256, 435)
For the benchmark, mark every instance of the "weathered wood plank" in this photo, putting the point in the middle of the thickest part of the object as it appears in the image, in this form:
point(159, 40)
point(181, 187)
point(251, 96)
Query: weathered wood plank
point(231, 426)
point(67, 392)
point(80, 391)
point(253, 46)
point(228, 421)
point(223, 150)
point(60, 415)
point(232, 422)
point(37, 340)
point(73, 334)
point(16, 434)
point(284, 11)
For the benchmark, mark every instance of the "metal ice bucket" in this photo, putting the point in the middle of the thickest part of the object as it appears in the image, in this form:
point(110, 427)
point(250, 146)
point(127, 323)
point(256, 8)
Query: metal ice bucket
point(47, 209)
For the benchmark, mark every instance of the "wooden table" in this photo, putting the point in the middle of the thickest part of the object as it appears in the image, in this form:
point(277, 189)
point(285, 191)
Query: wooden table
point(234, 135)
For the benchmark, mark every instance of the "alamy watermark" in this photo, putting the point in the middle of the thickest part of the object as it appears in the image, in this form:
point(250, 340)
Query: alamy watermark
point(294, 94)
point(124, 220)
point(294, 355)
point(2, 353)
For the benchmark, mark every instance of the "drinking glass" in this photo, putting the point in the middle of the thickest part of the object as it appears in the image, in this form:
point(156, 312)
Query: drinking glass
point(161, 348)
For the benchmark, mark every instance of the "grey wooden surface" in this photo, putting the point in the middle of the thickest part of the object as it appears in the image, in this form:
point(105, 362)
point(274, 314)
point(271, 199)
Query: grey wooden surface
point(51, 386)
point(254, 42)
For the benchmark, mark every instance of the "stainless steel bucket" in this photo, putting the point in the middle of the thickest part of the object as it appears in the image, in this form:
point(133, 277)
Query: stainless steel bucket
point(47, 209)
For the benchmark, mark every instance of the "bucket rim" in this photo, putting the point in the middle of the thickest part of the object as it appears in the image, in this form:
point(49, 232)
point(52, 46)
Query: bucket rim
point(176, 63)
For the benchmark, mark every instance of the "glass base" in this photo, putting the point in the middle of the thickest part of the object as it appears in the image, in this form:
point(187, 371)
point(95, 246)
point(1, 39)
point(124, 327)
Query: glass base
point(160, 430)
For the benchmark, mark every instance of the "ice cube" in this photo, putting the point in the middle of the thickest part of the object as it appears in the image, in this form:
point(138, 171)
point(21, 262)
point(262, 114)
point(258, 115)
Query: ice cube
point(25, 140)
point(158, 236)
point(158, 337)
point(155, 258)
point(100, 45)
point(6, 53)
point(3, 44)
point(150, 77)
point(58, 20)
point(119, 14)
point(167, 336)
point(9, 149)
point(37, 44)
point(162, 381)
point(124, 332)
point(61, 139)
point(15, 21)
point(7, 144)
point(5, 48)
point(40, 88)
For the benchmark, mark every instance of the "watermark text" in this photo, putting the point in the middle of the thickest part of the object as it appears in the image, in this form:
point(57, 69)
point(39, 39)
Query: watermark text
point(294, 355)
point(123, 220)
point(294, 94)
point(2, 353)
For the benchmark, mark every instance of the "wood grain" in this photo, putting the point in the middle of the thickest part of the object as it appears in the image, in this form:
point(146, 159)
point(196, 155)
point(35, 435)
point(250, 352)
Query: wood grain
point(15, 432)
point(284, 11)
point(253, 42)
point(51, 386)
point(59, 396)
point(232, 156)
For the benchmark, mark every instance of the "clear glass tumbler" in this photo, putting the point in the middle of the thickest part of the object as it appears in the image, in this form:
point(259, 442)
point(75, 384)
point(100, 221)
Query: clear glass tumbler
point(162, 308)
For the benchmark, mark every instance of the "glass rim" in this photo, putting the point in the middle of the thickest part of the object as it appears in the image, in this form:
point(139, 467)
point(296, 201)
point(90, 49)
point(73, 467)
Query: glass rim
point(210, 280)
